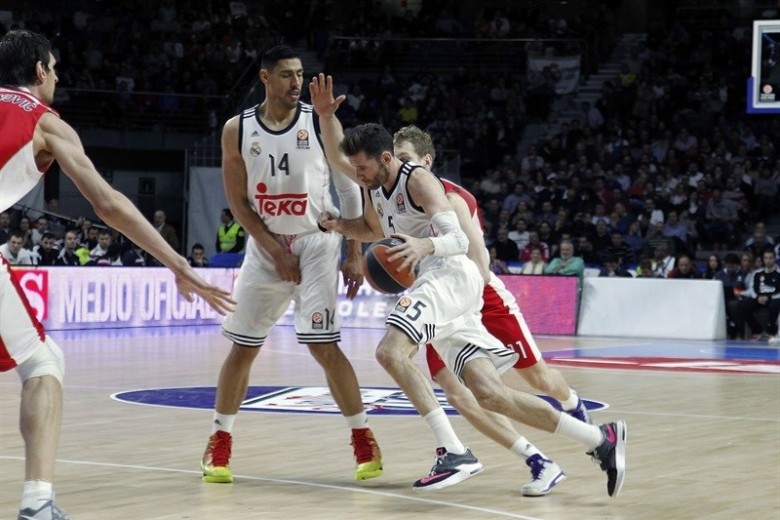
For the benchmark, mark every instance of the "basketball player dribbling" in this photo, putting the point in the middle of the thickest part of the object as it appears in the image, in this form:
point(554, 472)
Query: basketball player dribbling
point(502, 318)
point(442, 308)
point(33, 136)
point(277, 178)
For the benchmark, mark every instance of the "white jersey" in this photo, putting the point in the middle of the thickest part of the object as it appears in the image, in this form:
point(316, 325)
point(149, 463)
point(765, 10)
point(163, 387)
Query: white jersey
point(398, 213)
point(288, 176)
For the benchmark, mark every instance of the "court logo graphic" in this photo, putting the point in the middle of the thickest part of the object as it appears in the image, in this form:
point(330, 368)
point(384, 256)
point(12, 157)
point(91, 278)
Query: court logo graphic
point(296, 399)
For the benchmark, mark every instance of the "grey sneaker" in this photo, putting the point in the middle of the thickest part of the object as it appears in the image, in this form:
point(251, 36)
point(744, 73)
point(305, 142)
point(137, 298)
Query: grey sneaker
point(546, 475)
point(47, 511)
point(611, 455)
point(449, 469)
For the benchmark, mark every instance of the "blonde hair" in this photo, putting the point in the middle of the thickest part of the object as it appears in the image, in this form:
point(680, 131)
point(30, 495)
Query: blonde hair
point(420, 140)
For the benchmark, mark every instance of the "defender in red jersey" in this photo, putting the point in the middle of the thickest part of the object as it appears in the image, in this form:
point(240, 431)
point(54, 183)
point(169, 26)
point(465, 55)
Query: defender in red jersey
point(33, 136)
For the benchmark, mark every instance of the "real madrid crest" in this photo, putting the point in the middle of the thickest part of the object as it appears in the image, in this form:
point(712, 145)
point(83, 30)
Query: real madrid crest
point(254, 149)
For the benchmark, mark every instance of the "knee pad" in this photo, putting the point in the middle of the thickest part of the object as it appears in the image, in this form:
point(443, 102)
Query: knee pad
point(46, 361)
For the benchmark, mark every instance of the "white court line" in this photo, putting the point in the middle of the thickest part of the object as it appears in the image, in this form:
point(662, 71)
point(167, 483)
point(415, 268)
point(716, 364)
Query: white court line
point(350, 489)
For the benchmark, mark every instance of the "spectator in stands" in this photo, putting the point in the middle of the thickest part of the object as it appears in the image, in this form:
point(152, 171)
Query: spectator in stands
point(68, 253)
point(566, 264)
point(691, 230)
point(113, 256)
point(676, 231)
point(633, 239)
point(685, 269)
point(497, 265)
point(663, 262)
point(535, 263)
point(601, 239)
point(166, 230)
point(101, 249)
point(14, 252)
point(90, 236)
point(26, 230)
point(45, 253)
point(41, 227)
point(721, 219)
point(133, 256)
point(230, 235)
point(733, 278)
point(645, 268)
point(197, 256)
point(520, 235)
point(506, 249)
point(619, 249)
point(533, 241)
point(766, 289)
point(518, 195)
point(5, 227)
point(585, 251)
point(650, 216)
point(714, 266)
point(613, 269)
point(759, 240)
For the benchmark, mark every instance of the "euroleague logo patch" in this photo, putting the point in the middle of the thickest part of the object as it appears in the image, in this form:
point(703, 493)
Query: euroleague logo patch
point(302, 138)
point(296, 399)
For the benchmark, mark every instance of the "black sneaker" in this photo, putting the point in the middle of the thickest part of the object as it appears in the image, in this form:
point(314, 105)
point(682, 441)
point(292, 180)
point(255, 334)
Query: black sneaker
point(449, 469)
point(611, 455)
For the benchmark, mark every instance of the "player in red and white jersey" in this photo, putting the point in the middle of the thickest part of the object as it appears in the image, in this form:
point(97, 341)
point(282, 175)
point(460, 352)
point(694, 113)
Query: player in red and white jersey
point(277, 177)
point(33, 136)
point(502, 317)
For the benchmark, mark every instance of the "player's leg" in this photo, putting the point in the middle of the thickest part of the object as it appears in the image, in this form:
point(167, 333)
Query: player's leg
point(606, 442)
point(317, 325)
point(262, 300)
point(502, 318)
point(545, 473)
point(40, 365)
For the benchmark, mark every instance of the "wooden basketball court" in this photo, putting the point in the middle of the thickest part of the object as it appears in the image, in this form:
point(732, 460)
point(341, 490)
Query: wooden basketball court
point(701, 443)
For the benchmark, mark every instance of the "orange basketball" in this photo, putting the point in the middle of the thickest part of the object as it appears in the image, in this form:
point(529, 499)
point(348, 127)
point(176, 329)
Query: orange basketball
point(381, 273)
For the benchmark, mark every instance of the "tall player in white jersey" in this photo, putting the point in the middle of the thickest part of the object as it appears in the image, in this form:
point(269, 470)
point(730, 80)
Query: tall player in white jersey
point(442, 308)
point(277, 178)
point(33, 136)
point(502, 318)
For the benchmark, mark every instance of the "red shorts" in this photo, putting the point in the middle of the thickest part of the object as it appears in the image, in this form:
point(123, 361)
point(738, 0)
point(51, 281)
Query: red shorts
point(502, 318)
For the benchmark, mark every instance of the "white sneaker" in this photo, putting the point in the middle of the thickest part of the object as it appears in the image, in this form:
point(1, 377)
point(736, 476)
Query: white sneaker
point(546, 475)
point(774, 341)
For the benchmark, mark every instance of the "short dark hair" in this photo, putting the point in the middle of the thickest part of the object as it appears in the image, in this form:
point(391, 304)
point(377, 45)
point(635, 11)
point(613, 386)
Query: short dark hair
point(731, 258)
point(370, 138)
point(47, 236)
point(277, 53)
point(227, 212)
point(20, 52)
point(197, 245)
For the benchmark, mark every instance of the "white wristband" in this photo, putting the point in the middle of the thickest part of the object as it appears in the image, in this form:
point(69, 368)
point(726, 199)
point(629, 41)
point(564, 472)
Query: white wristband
point(451, 240)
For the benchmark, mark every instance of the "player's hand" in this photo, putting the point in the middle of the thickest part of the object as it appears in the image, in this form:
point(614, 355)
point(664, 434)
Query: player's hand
point(321, 90)
point(329, 221)
point(287, 266)
point(352, 270)
point(412, 250)
point(190, 283)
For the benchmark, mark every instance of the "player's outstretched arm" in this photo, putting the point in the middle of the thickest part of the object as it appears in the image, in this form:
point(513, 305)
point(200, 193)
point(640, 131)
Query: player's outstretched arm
point(62, 141)
point(332, 133)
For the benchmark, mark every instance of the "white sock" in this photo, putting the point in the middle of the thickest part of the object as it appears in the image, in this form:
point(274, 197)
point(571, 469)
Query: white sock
point(571, 402)
point(358, 421)
point(588, 435)
point(442, 430)
point(523, 448)
point(35, 492)
point(222, 422)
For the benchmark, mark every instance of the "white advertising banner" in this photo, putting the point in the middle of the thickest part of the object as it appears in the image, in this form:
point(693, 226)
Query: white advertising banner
point(568, 66)
point(652, 308)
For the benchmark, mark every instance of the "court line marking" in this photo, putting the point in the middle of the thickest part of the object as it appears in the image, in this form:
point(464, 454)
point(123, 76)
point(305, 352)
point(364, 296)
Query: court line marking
point(297, 483)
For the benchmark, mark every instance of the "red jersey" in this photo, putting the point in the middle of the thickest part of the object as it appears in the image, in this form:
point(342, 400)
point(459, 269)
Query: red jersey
point(468, 198)
point(20, 112)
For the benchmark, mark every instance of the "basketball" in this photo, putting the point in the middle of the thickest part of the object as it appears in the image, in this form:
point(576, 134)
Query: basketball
point(381, 273)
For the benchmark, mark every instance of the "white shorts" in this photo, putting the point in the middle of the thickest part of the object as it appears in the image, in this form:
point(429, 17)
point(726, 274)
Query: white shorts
point(442, 308)
point(20, 331)
point(263, 298)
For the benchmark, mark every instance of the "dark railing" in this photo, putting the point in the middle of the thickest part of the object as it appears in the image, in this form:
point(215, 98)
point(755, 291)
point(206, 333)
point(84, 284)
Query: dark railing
point(170, 112)
point(443, 55)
